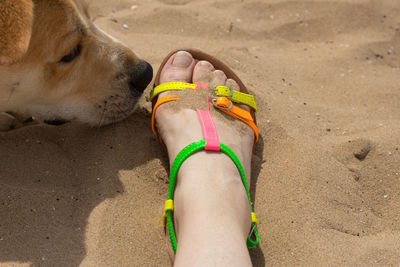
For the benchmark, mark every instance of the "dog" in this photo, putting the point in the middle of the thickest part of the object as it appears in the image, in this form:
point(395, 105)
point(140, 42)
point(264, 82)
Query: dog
point(57, 66)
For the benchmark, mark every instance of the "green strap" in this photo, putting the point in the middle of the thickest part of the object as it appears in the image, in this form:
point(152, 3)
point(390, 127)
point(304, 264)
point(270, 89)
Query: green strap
point(180, 158)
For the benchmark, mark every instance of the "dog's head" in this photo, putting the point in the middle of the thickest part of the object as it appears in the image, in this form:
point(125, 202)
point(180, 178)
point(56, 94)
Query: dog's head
point(55, 64)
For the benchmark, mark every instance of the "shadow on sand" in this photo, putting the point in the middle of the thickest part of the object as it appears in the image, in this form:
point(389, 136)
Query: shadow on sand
point(51, 178)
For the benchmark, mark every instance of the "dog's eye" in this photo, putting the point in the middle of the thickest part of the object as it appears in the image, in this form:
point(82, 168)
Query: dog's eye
point(72, 55)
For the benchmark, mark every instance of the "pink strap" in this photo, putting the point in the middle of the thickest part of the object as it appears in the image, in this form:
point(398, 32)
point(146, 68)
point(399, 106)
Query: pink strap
point(201, 86)
point(209, 131)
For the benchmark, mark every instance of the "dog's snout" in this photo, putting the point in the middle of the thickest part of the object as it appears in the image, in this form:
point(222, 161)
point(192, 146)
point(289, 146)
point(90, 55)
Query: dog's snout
point(140, 77)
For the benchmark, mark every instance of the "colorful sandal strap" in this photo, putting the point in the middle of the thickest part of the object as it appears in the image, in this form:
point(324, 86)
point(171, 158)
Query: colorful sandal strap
point(222, 103)
point(189, 150)
point(175, 86)
point(162, 100)
point(233, 95)
point(225, 105)
point(209, 131)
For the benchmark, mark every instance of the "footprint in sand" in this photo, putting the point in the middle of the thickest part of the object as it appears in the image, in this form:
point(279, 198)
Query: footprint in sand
point(361, 148)
point(352, 153)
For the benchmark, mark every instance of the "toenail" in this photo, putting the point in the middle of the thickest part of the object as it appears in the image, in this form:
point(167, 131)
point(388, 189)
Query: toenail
point(219, 73)
point(205, 63)
point(182, 59)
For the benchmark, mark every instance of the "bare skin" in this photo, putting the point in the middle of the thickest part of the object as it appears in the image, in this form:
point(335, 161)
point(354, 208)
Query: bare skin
point(212, 216)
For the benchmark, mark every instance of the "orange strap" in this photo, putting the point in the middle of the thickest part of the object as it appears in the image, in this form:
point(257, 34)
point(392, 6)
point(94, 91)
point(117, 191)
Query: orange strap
point(160, 101)
point(225, 105)
point(238, 113)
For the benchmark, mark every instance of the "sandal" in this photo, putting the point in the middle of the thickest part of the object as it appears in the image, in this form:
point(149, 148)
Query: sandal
point(222, 99)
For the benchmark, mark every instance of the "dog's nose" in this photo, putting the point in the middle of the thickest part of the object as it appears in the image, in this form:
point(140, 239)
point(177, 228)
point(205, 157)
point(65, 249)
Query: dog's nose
point(141, 77)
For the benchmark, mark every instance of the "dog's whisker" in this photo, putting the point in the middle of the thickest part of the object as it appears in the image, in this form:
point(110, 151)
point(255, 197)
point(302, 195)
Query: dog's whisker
point(11, 93)
point(101, 119)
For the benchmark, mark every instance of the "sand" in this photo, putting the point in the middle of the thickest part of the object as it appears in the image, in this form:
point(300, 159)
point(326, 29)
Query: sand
point(326, 172)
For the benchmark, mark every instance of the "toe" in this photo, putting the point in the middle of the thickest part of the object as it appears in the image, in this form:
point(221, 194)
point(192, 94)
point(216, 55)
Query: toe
point(219, 78)
point(232, 84)
point(202, 72)
point(179, 67)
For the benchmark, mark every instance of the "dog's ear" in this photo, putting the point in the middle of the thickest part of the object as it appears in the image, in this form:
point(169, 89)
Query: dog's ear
point(16, 17)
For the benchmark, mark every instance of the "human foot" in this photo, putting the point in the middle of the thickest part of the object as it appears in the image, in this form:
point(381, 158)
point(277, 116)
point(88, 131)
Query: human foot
point(208, 183)
point(178, 129)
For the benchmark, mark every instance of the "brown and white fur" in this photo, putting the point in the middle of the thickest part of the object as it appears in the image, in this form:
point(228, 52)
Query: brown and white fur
point(55, 64)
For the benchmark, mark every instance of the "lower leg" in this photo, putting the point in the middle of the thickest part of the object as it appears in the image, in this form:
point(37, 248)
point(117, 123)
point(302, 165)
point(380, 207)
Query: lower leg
point(212, 216)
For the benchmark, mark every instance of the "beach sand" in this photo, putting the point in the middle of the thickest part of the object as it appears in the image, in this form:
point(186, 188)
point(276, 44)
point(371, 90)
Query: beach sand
point(326, 171)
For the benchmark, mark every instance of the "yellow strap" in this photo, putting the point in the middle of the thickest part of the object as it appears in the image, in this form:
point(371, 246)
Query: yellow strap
point(253, 218)
point(169, 205)
point(233, 95)
point(171, 86)
point(237, 96)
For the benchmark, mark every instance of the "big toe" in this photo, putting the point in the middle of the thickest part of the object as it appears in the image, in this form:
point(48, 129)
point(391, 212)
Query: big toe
point(179, 68)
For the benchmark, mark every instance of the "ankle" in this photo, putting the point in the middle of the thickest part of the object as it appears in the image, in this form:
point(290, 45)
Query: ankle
point(206, 165)
point(212, 220)
point(203, 197)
